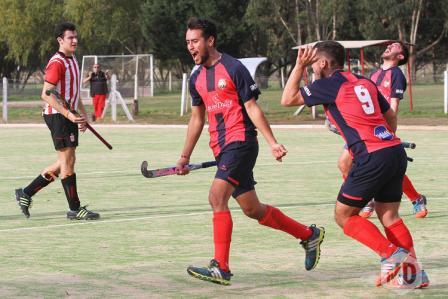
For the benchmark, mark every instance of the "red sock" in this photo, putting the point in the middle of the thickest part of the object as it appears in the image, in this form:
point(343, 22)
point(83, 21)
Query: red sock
point(274, 218)
point(222, 235)
point(399, 234)
point(365, 232)
point(409, 189)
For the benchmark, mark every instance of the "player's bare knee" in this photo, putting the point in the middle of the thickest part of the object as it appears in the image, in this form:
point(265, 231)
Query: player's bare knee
point(216, 201)
point(340, 220)
point(254, 212)
point(387, 220)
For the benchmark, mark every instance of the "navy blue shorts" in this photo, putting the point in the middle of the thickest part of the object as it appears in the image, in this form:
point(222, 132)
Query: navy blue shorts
point(235, 165)
point(376, 175)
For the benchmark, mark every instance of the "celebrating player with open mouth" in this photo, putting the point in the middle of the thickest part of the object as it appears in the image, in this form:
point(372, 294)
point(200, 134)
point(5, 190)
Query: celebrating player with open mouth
point(223, 87)
point(367, 124)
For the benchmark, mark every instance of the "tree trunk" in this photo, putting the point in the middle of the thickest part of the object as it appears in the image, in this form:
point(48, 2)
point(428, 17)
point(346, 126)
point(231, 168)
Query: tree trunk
point(334, 24)
point(28, 75)
point(317, 22)
point(299, 34)
point(413, 36)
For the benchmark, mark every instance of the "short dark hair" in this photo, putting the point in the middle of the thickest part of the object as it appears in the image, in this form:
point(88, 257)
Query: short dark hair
point(208, 27)
point(334, 51)
point(62, 27)
point(404, 52)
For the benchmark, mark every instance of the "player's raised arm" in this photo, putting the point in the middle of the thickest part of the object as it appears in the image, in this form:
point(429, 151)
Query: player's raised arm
point(257, 116)
point(291, 95)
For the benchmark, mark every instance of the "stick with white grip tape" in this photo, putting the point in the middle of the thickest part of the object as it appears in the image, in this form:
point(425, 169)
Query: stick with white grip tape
point(155, 173)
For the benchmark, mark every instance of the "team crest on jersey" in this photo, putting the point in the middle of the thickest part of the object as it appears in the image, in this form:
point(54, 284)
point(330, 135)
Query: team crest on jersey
point(72, 137)
point(386, 83)
point(222, 83)
point(382, 133)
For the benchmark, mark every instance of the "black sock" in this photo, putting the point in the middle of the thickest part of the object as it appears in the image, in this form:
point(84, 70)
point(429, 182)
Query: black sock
point(38, 183)
point(69, 184)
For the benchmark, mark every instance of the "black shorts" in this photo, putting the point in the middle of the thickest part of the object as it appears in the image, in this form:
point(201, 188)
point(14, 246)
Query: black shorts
point(63, 132)
point(376, 175)
point(235, 165)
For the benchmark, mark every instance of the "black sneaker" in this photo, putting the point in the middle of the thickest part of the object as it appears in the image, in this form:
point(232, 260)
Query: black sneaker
point(82, 214)
point(24, 202)
point(211, 273)
point(312, 247)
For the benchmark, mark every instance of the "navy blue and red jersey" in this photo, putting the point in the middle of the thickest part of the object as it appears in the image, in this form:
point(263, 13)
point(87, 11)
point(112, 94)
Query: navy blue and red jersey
point(355, 106)
point(223, 89)
point(391, 82)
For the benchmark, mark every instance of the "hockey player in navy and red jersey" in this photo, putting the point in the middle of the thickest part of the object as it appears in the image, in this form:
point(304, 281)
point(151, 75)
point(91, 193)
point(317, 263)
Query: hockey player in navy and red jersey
point(223, 88)
point(391, 82)
point(367, 124)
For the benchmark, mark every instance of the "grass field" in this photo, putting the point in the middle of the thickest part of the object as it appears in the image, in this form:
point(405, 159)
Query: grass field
point(165, 109)
point(152, 229)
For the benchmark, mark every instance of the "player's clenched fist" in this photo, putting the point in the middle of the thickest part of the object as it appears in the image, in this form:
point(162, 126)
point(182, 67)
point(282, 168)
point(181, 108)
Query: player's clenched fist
point(278, 151)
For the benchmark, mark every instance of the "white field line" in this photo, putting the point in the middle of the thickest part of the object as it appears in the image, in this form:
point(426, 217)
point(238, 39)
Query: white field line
point(93, 222)
point(136, 126)
point(137, 171)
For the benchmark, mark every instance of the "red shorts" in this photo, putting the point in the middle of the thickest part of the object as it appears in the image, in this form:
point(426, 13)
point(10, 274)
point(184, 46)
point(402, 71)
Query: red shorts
point(99, 101)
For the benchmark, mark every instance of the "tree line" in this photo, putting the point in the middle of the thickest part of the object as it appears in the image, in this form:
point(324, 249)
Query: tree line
point(246, 28)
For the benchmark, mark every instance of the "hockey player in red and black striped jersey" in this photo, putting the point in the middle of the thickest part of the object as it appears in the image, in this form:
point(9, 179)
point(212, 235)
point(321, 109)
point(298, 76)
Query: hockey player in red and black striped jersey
point(61, 74)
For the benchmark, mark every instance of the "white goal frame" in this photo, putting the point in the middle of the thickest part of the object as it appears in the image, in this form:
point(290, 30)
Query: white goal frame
point(85, 92)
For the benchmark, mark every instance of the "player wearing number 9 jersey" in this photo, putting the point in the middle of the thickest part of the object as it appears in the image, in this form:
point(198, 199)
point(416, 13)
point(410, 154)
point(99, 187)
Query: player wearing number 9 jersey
point(354, 105)
point(367, 124)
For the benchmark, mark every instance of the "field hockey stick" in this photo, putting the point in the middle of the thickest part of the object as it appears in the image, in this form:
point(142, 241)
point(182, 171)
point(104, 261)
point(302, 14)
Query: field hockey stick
point(410, 145)
point(155, 173)
point(66, 106)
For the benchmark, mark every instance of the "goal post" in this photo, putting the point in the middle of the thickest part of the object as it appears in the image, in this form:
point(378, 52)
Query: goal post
point(134, 75)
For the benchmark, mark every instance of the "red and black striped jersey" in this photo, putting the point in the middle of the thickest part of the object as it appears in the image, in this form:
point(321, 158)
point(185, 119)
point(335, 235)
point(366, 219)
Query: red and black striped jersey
point(63, 72)
point(355, 106)
point(223, 89)
point(391, 82)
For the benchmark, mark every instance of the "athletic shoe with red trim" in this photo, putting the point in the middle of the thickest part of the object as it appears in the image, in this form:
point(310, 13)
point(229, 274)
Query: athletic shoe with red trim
point(367, 211)
point(419, 207)
point(391, 265)
point(413, 281)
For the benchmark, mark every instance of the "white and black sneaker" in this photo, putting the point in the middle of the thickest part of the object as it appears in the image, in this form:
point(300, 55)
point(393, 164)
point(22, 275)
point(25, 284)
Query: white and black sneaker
point(24, 201)
point(82, 214)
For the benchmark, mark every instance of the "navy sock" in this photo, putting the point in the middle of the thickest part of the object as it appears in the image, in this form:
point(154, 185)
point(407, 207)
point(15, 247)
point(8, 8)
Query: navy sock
point(38, 183)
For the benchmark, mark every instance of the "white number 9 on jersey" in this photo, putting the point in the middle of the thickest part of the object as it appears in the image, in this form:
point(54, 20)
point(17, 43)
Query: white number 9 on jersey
point(364, 97)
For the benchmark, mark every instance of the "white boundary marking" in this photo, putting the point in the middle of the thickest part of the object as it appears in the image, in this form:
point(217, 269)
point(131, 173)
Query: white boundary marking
point(137, 126)
point(137, 173)
point(96, 222)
